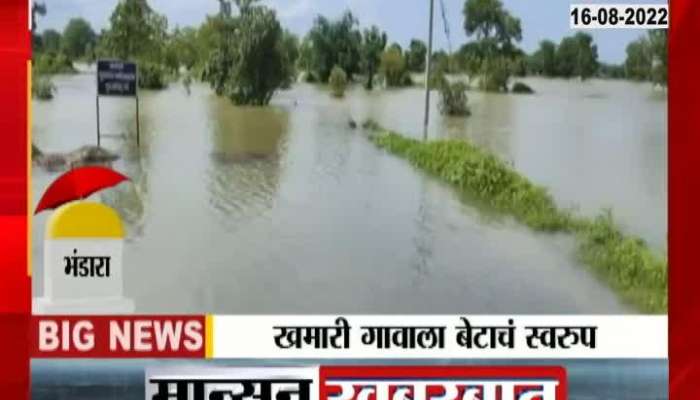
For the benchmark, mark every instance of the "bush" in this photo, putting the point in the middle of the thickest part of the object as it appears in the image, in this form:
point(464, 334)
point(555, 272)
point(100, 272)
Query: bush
point(42, 87)
point(338, 81)
point(52, 63)
point(453, 99)
point(151, 76)
point(437, 80)
point(495, 74)
point(520, 87)
point(393, 68)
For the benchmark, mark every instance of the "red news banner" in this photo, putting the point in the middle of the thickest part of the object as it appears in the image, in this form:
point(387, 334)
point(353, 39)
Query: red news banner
point(119, 337)
point(359, 337)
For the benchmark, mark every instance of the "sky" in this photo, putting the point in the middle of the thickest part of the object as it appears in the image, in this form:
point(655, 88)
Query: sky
point(401, 19)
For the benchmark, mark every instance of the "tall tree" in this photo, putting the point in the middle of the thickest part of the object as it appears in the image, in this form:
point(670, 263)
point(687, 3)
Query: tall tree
point(545, 58)
point(249, 64)
point(136, 31)
point(415, 55)
point(495, 30)
point(577, 56)
point(491, 24)
point(78, 37)
point(373, 44)
point(289, 45)
point(393, 67)
point(639, 59)
point(658, 42)
point(335, 43)
point(51, 41)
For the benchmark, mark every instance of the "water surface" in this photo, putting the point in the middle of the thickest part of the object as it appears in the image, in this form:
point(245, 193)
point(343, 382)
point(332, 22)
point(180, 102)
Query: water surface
point(286, 209)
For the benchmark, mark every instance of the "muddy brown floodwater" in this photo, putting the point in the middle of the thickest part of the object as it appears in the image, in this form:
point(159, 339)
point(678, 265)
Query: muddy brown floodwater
point(285, 209)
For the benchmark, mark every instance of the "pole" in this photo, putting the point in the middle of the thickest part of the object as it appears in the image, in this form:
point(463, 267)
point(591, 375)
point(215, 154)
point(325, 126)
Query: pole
point(138, 125)
point(97, 108)
point(428, 67)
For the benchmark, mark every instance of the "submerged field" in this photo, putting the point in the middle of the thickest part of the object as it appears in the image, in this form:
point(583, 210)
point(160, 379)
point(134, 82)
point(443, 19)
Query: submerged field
point(285, 209)
point(625, 261)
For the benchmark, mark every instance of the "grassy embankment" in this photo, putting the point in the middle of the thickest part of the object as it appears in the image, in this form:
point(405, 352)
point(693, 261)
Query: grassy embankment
point(625, 262)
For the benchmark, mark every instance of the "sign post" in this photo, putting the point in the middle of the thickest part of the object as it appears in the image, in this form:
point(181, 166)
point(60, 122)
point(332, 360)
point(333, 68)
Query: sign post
point(119, 79)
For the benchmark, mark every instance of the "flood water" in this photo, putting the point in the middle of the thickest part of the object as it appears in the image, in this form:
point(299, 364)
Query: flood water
point(285, 209)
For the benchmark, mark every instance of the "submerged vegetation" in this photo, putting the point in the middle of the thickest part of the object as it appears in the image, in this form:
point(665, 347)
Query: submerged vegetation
point(626, 262)
point(338, 81)
point(42, 87)
point(520, 87)
point(453, 99)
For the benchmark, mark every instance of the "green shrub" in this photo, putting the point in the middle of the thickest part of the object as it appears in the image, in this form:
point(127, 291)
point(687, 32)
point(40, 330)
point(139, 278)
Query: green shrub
point(52, 63)
point(522, 88)
point(42, 87)
point(152, 76)
point(626, 262)
point(338, 81)
point(437, 80)
point(453, 99)
point(495, 74)
point(393, 68)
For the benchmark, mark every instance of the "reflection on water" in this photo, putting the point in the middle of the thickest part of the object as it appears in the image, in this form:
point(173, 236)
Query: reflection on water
point(244, 173)
point(285, 209)
point(124, 380)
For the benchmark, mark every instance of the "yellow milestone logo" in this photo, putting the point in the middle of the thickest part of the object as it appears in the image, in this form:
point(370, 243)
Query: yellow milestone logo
point(83, 257)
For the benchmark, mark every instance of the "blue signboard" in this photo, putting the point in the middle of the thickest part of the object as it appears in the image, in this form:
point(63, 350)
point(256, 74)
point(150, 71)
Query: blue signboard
point(116, 78)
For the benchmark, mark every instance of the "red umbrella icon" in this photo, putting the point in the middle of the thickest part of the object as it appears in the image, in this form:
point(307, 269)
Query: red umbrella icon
point(78, 184)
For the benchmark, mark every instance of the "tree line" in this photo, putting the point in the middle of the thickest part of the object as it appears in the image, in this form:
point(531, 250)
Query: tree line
point(248, 56)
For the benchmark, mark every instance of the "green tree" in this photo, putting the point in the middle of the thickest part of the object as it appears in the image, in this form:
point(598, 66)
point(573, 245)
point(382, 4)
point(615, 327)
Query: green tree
point(78, 38)
point(545, 58)
point(471, 56)
point(416, 55)
point(184, 44)
point(373, 44)
point(51, 41)
point(441, 61)
point(658, 43)
point(290, 50)
point(577, 56)
point(492, 24)
point(249, 64)
point(245, 6)
point(639, 59)
point(495, 73)
point(335, 43)
point(587, 61)
point(305, 59)
point(136, 32)
point(393, 68)
point(495, 30)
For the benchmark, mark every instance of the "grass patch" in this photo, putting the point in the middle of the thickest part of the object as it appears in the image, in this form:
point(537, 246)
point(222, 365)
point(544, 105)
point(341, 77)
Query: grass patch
point(625, 262)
